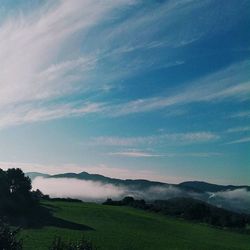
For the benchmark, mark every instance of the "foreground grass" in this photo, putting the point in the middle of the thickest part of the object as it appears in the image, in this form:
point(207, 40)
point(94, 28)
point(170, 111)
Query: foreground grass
point(120, 228)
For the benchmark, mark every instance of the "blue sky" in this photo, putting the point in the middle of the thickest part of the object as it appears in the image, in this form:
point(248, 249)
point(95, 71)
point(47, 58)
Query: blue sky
point(127, 88)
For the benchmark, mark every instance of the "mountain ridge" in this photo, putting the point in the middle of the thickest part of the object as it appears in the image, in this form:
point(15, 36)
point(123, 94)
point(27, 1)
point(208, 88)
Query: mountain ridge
point(197, 186)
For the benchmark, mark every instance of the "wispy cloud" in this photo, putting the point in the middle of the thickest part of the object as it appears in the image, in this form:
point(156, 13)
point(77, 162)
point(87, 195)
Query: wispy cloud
point(34, 113)
point(41, 61)
point(238, 129)
point(242, 114)
point(30, 46)
point(230, 83)
point(37, 68)
point(242, 140)
point(142, 154)
point(179, 138)
point(135, 154)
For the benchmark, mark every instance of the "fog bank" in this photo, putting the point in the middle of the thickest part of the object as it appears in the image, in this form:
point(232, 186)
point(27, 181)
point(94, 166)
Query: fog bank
point(236, 200)
point(79, 189)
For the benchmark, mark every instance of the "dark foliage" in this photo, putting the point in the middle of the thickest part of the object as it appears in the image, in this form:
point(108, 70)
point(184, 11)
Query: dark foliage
point(38, 195)
point(192, 209)
point(8, 239)
point(65, 199)
point(20, 206)
point(15, 192)
point(189, 209)
point(83, 244)
point(127, 201)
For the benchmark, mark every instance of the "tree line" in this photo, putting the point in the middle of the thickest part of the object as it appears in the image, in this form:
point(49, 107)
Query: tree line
point(190, 209)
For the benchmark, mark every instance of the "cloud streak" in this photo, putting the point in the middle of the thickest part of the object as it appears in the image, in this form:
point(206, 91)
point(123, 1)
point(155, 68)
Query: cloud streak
point(176, 138)
point(239, 129)
point(135, 154)
point(223, 85)
point(36, 113)
point(241, 140)
point(35, 73)
point(31, 46)
point(142, 154)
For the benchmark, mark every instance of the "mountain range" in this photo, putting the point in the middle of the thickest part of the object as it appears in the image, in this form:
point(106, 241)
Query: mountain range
point(196, 186)
point(231, 197)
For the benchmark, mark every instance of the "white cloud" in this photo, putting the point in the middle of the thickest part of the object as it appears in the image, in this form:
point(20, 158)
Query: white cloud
point(36, 65)
point(97, 191)
point(238, 200)
point(139, 154)
point(177, 138)
point(41, 59)
point(30, 46)
point(30, 113)
point(134, 154)
point(85, 190)
point(230, 83)
point(241, 193)
point(238, 129)
point(241, 140)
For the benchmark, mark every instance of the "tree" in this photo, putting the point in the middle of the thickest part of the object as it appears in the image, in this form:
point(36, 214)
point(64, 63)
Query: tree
point(18, 182)
point(4, 191)
point(15, 192)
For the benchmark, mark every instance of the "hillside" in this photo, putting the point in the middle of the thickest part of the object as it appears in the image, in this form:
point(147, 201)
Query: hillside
point(208, 187)
point(127, 228)
point(234, 198)
point(142, 184)
point(197, 186)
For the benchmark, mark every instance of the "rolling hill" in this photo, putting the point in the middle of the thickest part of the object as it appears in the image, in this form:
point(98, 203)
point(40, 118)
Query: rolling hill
point(234, 198)
point(125, 228)
point(197, 186)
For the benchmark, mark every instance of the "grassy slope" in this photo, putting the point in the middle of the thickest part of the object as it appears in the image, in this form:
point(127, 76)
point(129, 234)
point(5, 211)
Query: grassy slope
point(127, 228)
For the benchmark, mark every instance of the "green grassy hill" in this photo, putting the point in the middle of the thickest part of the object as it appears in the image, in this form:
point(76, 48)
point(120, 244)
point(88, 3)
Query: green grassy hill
point(121, 228)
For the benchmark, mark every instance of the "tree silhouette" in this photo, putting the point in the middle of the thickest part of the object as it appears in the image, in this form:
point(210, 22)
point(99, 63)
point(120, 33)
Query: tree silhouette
point(15, 192)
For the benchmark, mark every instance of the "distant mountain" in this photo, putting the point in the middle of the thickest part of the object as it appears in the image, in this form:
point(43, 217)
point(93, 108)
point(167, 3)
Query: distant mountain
point(195, 186)
point(218, 195)
point(208, 187)
point(33, 175)
point(140, 184)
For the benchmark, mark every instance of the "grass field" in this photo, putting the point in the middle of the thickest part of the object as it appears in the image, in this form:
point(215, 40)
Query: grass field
point(120, 228)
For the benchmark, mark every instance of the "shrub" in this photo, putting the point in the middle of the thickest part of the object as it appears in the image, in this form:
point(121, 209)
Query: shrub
point(8, 240)
point(83, 244)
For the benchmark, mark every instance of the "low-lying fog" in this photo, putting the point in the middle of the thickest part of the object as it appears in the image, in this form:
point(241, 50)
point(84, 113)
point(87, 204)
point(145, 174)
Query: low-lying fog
point(80, 189)
point(238, 200)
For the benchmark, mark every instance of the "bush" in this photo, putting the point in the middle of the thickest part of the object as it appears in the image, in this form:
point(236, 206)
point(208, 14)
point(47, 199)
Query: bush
point(8, 239)
point(83, 244)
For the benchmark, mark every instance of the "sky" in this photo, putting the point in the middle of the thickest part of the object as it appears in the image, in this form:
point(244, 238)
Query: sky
point(152, 89)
